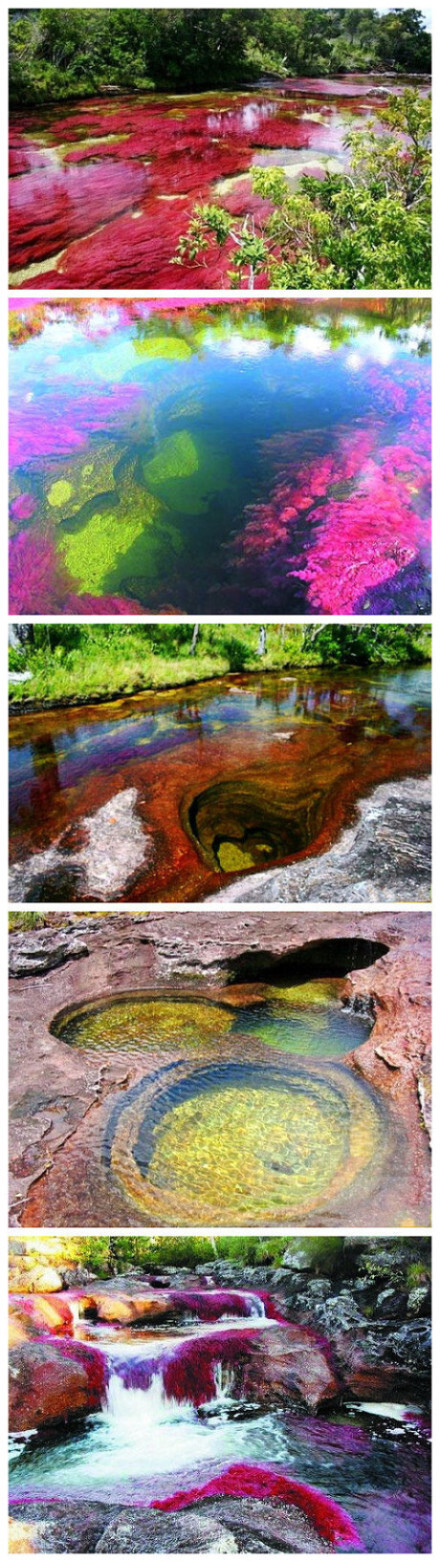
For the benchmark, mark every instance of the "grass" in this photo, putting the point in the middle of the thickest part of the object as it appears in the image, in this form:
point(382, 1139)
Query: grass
point(97, 662)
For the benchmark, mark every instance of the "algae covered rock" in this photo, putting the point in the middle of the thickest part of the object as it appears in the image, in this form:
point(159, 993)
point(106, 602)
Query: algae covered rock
point(186, 472)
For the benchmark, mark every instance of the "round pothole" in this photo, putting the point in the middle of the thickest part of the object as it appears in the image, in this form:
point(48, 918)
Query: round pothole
point(307, 1018)
point(237, 1142)
point(246, 823)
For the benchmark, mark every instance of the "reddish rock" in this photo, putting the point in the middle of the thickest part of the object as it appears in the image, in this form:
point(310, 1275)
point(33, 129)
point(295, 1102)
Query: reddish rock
point(289, 1362)
point(53, 1383)
point(30, 1316)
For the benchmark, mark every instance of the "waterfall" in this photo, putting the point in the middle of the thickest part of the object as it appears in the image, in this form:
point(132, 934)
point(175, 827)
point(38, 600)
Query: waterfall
point(145, 1407)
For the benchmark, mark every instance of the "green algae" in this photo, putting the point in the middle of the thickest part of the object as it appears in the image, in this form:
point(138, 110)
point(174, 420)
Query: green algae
point(177, 457)
point(59, 493)
point(187, 472)
point(144, 1023)
point(170, 347)
point(84, 480)
point(90, 554)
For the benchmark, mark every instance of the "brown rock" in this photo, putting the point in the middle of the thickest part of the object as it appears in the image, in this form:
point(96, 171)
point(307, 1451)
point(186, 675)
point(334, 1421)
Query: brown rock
point(51, 1384)
point(289, 1361)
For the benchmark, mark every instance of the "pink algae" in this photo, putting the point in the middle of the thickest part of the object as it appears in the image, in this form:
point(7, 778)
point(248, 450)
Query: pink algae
point(23, 507)
point(347, 543)
point(247, 1480)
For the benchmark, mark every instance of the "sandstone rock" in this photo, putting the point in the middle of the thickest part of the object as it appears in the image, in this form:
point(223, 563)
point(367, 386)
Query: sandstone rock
point(42, 1314)
point(53, 1384)
point(116, 1307)
point(57, 1527)
point(286, 1362)
point(34, 956)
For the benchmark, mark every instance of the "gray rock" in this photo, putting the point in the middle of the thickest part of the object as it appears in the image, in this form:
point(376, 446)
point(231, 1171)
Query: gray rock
point(58, 1527)
point(47, 950)
point(384, 856)
point(136, 1530)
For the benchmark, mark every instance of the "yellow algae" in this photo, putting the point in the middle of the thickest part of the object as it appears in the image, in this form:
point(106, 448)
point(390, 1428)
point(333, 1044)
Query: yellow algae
point(59, 493)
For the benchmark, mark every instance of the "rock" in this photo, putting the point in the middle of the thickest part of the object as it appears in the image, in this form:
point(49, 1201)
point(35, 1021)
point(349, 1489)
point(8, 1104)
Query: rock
point(117, 1307)
point(145, 1531)
point(45, 1279)
point(53, 1384)
point(390, 1304)
point(99, 860)
point(286, 1362)
point(33, 956)
point(39, 1314)
point(385, 855)
point(56, 1527)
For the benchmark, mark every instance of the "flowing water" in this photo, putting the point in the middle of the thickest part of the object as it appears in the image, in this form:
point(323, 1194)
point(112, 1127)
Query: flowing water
point(166, 797)
point(102, 189)
point(176, 1414)
point(284, 447)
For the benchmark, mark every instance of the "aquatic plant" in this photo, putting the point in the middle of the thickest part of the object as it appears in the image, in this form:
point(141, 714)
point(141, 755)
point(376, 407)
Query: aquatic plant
point(244, 1480)
point(32, 573)
point(363, 504)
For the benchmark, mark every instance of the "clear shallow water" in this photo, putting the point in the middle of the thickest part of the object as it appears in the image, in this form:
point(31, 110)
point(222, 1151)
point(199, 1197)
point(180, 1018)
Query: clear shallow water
point(217, 779)
point(285, 448)
point(311, 1021)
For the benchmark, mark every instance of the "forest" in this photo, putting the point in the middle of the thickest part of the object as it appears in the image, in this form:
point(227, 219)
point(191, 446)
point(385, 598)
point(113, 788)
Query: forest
point(61, 54)
point(63, 661)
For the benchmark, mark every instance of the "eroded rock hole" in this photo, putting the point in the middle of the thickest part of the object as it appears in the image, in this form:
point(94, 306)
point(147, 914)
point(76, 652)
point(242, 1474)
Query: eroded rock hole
point(317, 961)
point(246, 824)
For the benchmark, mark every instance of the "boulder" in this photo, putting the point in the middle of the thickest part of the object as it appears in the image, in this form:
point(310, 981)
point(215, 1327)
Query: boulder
point(57, 1527)
point(118, 1307)
point(53, 1383)
point(40, 1315)
point(288, 1362)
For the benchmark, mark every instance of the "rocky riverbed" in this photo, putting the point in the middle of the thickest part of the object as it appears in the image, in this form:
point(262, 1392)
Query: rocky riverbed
point(220, 994)
point(229, 1406)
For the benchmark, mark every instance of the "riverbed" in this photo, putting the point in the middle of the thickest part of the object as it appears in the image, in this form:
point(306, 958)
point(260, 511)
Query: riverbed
point(177, 795)
point(101, 189)
point(252, 457)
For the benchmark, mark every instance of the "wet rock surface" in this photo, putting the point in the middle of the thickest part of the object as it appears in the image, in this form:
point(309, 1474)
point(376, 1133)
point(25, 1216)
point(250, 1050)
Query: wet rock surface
point(50, 1385)
point(385, 855)
point(96, 860)
point(219, 1526)
point(59, 1094)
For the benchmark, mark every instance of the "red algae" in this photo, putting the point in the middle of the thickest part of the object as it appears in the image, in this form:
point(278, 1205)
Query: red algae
point(385, 484)
point(47, 213)
point(124, 158)
point(247, 1480)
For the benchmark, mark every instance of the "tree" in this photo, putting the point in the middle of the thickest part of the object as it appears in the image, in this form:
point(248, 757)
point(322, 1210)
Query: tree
point(368, 228)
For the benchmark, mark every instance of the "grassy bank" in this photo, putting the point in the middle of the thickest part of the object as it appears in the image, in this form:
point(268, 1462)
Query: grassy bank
point(94, 661)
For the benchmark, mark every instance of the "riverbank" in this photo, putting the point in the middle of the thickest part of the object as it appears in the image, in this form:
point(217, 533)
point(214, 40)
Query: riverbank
point(85, 665)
